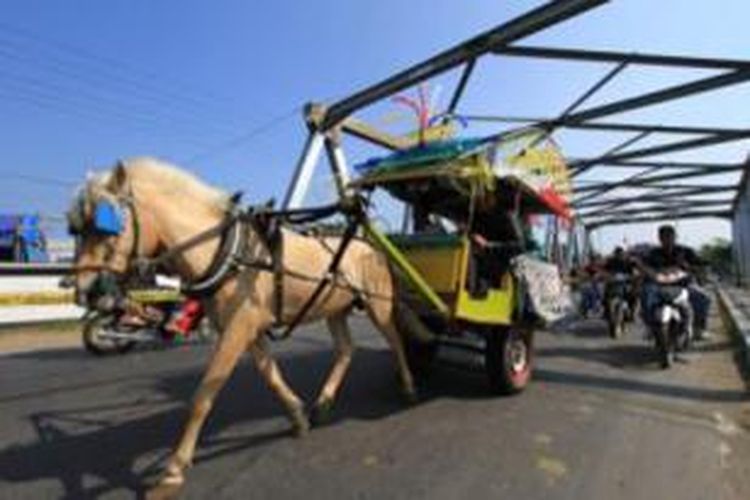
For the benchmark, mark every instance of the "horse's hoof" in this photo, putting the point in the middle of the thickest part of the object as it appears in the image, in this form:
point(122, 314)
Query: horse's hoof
point(300, 423)
point(301, 429)
point(163, 492)
point(410, 396)
point(173, 475)
point(321, 413)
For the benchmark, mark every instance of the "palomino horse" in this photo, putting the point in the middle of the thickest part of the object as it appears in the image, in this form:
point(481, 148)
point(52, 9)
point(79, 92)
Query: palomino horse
point(157, 207)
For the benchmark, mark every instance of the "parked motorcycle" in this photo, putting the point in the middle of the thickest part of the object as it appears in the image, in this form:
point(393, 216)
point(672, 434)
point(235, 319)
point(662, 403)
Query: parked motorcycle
point(618, 307)
point(158, 324)
point(670, 326)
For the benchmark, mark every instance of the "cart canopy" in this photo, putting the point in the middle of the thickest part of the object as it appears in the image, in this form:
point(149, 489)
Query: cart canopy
point(520, 171)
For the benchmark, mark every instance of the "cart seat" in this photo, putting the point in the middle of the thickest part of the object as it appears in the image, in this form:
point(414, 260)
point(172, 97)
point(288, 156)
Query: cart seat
point(437, 257)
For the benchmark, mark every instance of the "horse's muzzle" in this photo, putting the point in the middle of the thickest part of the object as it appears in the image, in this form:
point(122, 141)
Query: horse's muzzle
point(102, 293)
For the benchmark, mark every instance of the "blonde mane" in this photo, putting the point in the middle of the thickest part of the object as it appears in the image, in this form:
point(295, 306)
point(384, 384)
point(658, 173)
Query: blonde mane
point(147, 172)
point(176, 181)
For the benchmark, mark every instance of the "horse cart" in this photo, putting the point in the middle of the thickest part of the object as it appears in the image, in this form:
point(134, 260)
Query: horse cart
point(467, 222)
point(466, 238)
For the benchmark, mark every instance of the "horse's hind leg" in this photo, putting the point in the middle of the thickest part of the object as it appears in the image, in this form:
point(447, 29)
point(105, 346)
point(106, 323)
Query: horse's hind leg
point(271, 373)
point(382, 314)
point(344, 349)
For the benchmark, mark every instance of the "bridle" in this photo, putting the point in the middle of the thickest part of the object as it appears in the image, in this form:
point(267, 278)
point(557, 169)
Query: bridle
point(108, 220)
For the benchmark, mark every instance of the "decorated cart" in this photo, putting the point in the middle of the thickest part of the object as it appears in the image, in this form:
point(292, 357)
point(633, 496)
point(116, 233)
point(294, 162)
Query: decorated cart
point(467, 259)
point(466, 255)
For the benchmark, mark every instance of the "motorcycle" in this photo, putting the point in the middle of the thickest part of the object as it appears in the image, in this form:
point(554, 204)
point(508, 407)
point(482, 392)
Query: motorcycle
point(618, 307)
point(117, 321)
point(670, 327)
point(590, 300)
point(159, 324)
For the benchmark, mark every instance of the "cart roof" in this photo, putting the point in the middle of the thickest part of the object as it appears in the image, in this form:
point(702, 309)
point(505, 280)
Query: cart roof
point(521, 170)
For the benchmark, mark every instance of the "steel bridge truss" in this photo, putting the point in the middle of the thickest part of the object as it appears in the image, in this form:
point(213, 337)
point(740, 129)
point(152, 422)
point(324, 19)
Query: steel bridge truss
point(655, 191)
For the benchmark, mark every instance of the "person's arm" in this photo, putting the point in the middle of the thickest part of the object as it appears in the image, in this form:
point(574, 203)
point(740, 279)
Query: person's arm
point(479, 240)
point(645, 266)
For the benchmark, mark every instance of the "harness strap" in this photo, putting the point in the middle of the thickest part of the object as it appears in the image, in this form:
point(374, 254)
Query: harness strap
point(225, 262)
point(277, 260)
point(231, 254)
point(136, 228)
point(196, 240)
point(330, 273)
point(304, 215)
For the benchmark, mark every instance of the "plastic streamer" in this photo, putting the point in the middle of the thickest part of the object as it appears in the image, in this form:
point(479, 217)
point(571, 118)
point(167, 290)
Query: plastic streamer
point(420, 107)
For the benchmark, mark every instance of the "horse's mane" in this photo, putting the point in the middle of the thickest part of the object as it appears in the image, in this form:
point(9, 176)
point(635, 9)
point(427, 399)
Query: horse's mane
point(179, 182)
point(146, 171)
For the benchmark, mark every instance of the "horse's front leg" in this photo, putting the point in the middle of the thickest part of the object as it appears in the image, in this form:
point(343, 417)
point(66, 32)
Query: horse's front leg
point(271, 373)
point(241, 330)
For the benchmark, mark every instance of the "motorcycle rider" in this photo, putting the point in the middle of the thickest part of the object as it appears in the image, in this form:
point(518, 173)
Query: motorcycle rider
point(586, 279)
point(670, 255)
point(619, 263)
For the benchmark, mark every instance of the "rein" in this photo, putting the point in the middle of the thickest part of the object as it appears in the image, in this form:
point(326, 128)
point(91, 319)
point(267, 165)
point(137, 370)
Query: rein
point(231, 242)
point(355, 217)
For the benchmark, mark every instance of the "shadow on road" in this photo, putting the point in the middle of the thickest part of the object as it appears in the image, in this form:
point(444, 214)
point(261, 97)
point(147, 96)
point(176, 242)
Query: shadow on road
point(51, 355)
point(591, 328)
point(618, 356)
point(640, 386)
point(93, 449)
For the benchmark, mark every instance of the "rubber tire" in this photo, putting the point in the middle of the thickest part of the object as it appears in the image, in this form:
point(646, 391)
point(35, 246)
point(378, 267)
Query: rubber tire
point(621, 320)
point(682, 339)
point(503, 377)
point(94, 345)
point(616, 319)
point(663, 342)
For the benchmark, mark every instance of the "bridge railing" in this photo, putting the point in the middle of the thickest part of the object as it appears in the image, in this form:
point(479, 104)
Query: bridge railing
point(31, 293)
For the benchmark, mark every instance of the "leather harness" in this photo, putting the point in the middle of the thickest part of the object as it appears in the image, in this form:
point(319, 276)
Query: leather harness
point(232, 255)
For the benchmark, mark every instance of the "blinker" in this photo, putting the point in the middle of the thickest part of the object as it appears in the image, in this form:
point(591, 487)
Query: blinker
point(107, 218)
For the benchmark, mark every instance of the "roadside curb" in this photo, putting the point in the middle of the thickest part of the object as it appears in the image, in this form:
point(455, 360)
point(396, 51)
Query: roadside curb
point(737, 324)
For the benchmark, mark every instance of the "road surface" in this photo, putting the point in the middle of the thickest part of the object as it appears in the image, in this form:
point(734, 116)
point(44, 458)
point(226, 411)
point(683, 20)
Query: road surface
point(599, 421)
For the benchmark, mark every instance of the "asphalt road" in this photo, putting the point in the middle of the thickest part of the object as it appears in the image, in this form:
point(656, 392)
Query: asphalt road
point(599, 421)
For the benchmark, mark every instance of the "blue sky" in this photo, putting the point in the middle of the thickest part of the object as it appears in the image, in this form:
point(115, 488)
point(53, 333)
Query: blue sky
point(83, 83)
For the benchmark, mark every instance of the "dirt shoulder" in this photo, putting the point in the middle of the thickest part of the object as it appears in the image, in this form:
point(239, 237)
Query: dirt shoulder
point(41, 336)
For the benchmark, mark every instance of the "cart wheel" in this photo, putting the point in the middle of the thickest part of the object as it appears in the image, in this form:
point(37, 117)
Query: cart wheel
point(420, 356)
point(508, 359)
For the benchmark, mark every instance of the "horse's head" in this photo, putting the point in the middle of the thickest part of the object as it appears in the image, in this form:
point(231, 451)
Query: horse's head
point(102, 219)
point(137, 211)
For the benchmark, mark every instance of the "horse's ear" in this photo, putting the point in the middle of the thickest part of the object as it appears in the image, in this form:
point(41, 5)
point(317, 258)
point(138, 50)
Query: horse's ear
point(236, 197)
point(118, 179)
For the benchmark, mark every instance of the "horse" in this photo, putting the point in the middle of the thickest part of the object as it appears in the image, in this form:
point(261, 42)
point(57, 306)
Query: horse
point(158, 209)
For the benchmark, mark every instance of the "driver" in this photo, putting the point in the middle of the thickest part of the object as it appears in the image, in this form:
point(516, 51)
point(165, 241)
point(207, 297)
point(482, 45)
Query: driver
point(619, 263)
point(671, 255)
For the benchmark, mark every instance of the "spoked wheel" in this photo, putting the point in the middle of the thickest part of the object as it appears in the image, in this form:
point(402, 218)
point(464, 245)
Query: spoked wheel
point(508, 359)
point(97, 343)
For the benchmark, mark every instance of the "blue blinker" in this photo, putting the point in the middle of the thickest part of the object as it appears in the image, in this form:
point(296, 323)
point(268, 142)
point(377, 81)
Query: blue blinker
point(107, 218)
